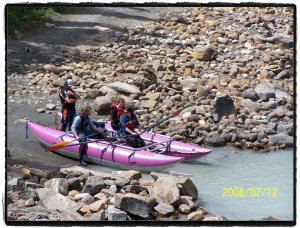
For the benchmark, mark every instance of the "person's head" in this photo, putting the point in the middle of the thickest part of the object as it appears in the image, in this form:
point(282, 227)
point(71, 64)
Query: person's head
point(69, 83)
point(128, 111)
point(85, 110)
point(121, 101)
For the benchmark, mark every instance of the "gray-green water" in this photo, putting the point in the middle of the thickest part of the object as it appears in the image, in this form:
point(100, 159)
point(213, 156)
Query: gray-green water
point(244, 169)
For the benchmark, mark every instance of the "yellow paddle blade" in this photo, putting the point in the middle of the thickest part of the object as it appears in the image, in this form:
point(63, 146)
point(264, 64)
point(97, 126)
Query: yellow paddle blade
point(57, 146)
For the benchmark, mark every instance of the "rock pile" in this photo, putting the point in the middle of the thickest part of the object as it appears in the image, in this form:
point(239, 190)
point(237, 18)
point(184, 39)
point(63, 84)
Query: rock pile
point(78, 194)
point(234, 66)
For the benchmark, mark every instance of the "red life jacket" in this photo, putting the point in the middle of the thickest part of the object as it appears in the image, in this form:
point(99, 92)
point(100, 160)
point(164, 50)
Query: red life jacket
point(116, 112)
point(131, 124)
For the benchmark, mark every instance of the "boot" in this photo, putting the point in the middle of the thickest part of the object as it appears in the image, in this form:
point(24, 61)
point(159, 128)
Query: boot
point(82, 163)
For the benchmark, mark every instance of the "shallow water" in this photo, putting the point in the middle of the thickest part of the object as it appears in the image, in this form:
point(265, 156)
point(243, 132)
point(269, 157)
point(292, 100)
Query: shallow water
point(266, 178)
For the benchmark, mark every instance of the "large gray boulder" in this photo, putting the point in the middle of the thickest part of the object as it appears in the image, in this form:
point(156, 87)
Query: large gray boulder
point(185, 185)
point(93, 185)
point(53, 200)
point(214, 139)
point(281, 138)
point(101, 105)
point(124, 88)
point(224, 106)
point(60, 185)
point(132, 203)
point(165, 190)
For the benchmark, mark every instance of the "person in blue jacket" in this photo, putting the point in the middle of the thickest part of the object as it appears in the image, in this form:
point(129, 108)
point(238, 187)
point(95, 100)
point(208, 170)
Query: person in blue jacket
point(83, 126)
point(129, 122)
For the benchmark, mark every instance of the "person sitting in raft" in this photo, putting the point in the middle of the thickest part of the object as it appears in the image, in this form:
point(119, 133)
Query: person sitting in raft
point(116, 112)
point(83, 126)
point(128, 123)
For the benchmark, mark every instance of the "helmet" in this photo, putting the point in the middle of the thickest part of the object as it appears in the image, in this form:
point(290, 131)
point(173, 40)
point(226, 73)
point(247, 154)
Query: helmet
point(69, 82)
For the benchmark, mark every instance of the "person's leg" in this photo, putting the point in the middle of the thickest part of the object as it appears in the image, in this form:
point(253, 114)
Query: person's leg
point(131, 141)
point(64, 120)
point(70, 118)
point(140, 142)
point(82, 150)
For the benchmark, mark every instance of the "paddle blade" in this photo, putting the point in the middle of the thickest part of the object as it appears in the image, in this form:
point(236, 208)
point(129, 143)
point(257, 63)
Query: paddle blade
point(57, 146)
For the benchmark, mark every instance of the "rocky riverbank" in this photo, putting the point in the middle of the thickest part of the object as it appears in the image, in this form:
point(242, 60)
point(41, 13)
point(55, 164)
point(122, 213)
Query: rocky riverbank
point(232, 67)
point(77, 194)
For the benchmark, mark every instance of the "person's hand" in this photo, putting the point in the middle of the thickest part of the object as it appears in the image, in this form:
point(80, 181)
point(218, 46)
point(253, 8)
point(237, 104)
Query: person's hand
point(136, 133)
point(70, 93)
point(77, 137)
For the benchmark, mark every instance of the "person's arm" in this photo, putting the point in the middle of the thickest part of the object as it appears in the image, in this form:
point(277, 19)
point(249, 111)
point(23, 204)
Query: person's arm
point(93, 127)
point(73, 93)
point(65, 96)
point(75, 124)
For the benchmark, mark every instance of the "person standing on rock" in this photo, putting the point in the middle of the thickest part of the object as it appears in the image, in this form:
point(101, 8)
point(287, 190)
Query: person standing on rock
point(84, 126)
point(128, 123)
point(68, 98)
point(116, 112)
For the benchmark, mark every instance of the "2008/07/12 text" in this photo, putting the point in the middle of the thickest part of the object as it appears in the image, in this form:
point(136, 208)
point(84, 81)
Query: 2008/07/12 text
point(253, 192)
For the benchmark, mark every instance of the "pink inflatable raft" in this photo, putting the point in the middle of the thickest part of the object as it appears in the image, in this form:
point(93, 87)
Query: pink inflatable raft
point(113, 154)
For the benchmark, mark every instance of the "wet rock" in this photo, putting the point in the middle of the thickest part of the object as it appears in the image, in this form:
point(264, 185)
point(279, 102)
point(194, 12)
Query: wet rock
point(164, 209)
point(195, 216)
point(15, 184)
point(184, 208)
point(60, 185)
point(188, 201)
point(214, 139)
point(281, 138)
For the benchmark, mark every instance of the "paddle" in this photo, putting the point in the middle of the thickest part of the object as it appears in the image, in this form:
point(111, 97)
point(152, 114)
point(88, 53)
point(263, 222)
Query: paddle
point(62, 144)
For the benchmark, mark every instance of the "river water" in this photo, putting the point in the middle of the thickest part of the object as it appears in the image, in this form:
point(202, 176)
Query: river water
point(266, 178)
